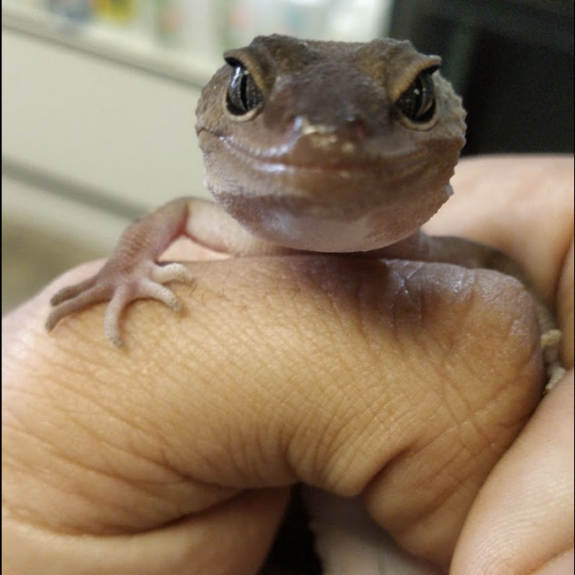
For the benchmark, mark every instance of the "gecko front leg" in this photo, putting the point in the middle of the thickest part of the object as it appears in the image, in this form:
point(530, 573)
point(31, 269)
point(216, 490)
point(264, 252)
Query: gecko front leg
point(133, 271)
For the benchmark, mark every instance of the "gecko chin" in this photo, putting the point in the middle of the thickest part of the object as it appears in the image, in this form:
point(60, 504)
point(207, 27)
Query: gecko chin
point(328, 211)
point(328, 204)
point(299, 224)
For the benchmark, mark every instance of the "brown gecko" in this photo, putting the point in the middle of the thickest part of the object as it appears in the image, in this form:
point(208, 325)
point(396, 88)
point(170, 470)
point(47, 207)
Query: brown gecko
point(311, 146)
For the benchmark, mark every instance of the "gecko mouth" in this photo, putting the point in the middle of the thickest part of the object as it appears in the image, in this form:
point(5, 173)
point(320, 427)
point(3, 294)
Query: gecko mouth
point(282, 160)
point(347, 204)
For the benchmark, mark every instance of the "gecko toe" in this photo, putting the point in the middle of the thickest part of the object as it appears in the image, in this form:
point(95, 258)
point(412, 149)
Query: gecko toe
point(113, 334)
point(161, 293)
point(71, 292)
point(551, 338)
point(68, 306)
point(122, 297)
point(555, 373)
point(172, 272)
point(53, 318)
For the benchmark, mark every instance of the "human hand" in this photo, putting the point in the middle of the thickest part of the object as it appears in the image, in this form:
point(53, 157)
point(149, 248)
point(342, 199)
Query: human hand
point(175, 454)
point(522, 521)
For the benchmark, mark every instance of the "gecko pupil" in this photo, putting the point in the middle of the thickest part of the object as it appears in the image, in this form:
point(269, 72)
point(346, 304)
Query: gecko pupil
point(417, 103)
point(243, 94)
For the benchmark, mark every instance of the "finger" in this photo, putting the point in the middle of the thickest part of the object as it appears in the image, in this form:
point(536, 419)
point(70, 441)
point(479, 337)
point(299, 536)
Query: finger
point(226, 540)
point(565, 302)
point(562, 565)
point(524, 515)
point(351, 375)
point(522, 205)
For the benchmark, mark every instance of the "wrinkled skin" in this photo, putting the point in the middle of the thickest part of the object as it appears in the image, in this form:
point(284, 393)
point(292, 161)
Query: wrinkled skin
point(356, 376)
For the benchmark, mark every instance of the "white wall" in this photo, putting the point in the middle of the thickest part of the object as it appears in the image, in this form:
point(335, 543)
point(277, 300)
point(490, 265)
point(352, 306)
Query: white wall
point(105, 128)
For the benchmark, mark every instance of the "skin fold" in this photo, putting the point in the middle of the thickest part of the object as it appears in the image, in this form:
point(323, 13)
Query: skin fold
point(364, 378)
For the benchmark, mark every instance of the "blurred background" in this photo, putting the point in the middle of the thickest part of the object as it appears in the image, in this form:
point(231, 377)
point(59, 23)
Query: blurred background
point(98, 100)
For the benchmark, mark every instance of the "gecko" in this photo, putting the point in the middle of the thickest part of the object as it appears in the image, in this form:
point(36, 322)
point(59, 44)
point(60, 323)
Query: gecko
point(312, 146)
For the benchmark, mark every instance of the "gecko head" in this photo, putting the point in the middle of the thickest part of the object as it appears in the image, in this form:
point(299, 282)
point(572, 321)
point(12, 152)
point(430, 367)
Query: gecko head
point(330, 146)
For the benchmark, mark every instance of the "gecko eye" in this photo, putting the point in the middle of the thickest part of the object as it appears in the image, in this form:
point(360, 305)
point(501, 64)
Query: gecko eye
point(417, 103)
point(243, 94)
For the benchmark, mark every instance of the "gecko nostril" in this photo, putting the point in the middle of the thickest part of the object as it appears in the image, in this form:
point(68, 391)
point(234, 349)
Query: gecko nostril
point(302, 126)
point(356, 128)
point(293, 123)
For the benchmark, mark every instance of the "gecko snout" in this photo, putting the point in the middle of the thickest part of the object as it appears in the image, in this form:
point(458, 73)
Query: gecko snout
point(331, 140)
point(352, 127)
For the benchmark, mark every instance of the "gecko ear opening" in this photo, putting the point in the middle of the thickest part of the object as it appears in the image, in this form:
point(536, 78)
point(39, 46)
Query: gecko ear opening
point(243, 98)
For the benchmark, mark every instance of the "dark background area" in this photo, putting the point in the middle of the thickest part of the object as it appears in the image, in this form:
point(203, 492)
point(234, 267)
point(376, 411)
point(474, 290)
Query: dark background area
point(511, 60)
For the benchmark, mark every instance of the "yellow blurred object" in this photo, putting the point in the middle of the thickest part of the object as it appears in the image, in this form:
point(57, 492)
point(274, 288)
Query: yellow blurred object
point(117, 10)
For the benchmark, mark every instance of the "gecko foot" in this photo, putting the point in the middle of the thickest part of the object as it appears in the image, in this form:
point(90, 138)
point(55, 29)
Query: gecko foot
point(119, 286)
